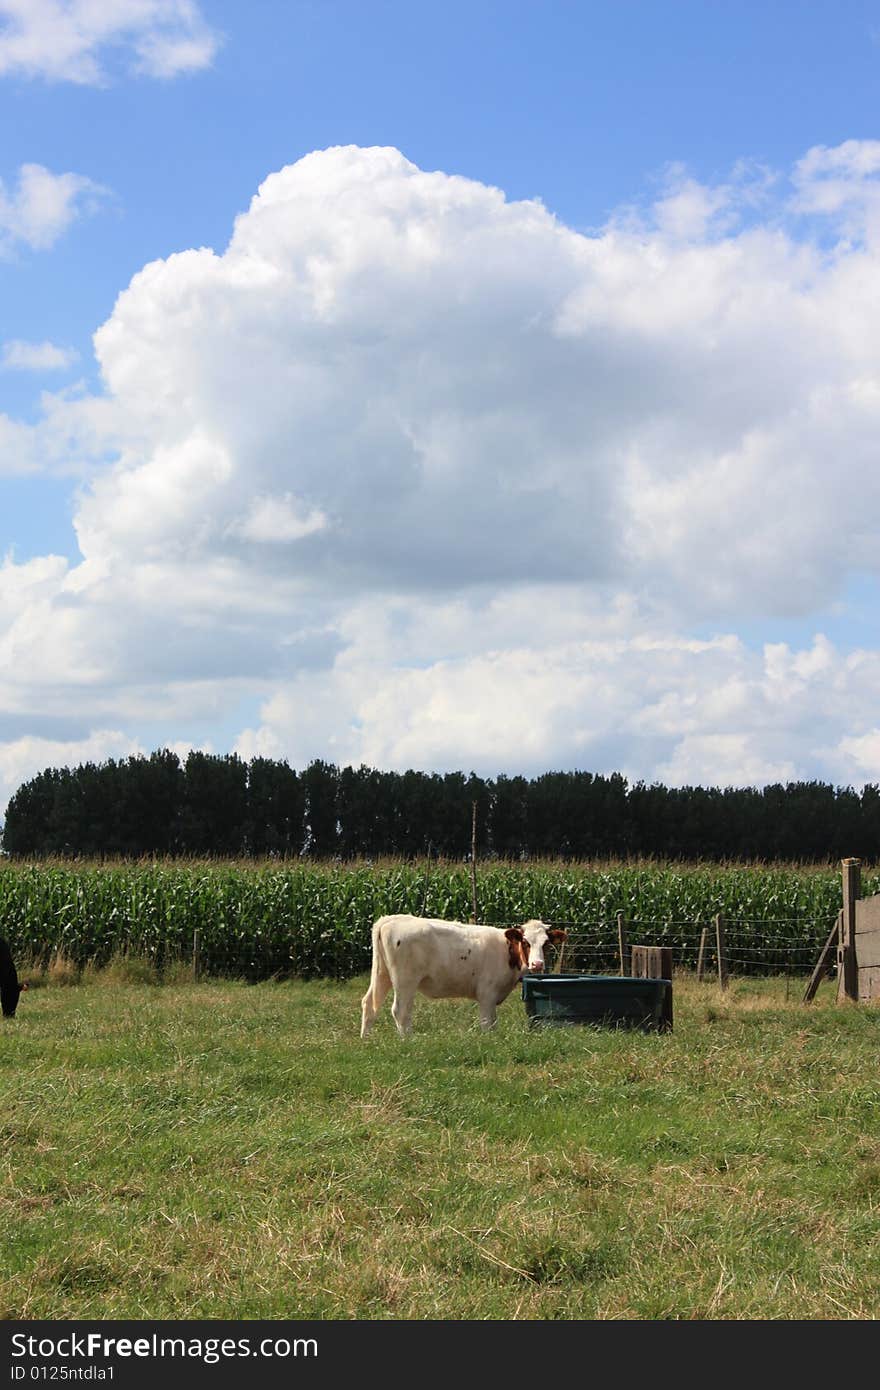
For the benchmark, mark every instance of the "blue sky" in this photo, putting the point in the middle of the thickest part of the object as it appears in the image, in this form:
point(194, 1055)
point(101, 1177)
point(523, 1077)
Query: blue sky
point(655, 400)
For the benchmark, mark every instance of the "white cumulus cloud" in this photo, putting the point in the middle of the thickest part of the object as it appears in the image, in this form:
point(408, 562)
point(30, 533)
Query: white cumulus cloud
point(42, 206)
point(23, 758)
point(17, 355)
point(862, 755)
point(615, 694)
point(279, 519)
point(82, 41)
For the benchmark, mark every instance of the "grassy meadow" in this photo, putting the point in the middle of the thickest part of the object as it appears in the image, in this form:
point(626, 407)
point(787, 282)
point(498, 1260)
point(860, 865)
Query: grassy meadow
point(226, 1150)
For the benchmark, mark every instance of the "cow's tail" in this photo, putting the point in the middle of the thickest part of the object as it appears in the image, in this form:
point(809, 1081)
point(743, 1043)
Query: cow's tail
point(380, 982)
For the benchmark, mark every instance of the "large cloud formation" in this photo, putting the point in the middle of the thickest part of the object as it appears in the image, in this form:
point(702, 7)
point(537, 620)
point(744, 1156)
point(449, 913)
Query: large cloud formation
point(439, 481)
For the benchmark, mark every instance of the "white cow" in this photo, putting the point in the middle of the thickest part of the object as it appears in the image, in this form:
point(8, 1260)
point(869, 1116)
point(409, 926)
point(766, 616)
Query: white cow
point(449, 960)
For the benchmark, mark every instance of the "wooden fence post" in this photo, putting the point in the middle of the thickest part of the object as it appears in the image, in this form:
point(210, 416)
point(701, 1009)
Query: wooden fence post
point(651, 962)
point(197, 964)
point(701, 954)
point(826, 957)
point(560, 954)
point(655, 963)
point(721, 950)
point(847, 966)
point(623, 944)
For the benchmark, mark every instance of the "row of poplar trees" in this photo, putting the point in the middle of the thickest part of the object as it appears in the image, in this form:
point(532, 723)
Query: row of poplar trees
point(213, 805)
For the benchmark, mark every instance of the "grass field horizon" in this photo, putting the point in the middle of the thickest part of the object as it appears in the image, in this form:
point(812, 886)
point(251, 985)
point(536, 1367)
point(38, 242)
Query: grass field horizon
point(224, 1150)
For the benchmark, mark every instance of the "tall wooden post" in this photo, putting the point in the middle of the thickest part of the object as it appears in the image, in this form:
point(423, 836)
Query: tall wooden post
point(196, 954)
point(847, 965)
point(827, 956)
point(557, 968)
point(721, 950)
point(701, 954)
point(623, 944)
point(474, 861)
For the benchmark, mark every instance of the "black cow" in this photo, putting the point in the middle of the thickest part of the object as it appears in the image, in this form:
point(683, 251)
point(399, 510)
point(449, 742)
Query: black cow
point(10, 989)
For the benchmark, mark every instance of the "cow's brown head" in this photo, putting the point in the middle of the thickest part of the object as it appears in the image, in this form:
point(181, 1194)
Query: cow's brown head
point(538, 935)
point(517, 949)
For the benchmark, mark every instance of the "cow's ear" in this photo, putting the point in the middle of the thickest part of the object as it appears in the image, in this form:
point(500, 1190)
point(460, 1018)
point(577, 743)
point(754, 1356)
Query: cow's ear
point(557, 934)
point(514, 934)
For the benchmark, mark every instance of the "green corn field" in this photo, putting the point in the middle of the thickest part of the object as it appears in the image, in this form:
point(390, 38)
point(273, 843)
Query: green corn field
point(308, 920)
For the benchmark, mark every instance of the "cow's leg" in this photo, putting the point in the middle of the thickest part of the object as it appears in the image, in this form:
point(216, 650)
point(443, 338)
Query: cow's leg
point(401, 1011)
point(372, 1003)
point(373, 1000)
point(488, 1007)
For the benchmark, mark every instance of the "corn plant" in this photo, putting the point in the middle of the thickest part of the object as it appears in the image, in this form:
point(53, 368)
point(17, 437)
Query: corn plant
point(308, 919)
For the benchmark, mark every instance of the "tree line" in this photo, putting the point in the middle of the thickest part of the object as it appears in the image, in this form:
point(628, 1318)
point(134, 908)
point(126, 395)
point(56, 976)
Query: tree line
point(214, 805)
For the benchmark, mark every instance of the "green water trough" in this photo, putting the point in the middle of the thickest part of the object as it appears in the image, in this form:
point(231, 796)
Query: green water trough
point(616, 1001)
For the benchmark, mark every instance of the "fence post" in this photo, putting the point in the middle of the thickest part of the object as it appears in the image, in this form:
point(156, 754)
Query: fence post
point(826, 956)
point(474, 918)
point(651, 962)
point(721, 950)
point(557, 968)
point(655, 963)
point(701, 954)
point(847, 965)
point(623, 944)
point(196, 955)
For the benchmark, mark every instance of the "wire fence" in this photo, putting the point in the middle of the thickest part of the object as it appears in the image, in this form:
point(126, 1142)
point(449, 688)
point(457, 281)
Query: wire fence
point(748, 946)
point(780, 946)
point(775, 946)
